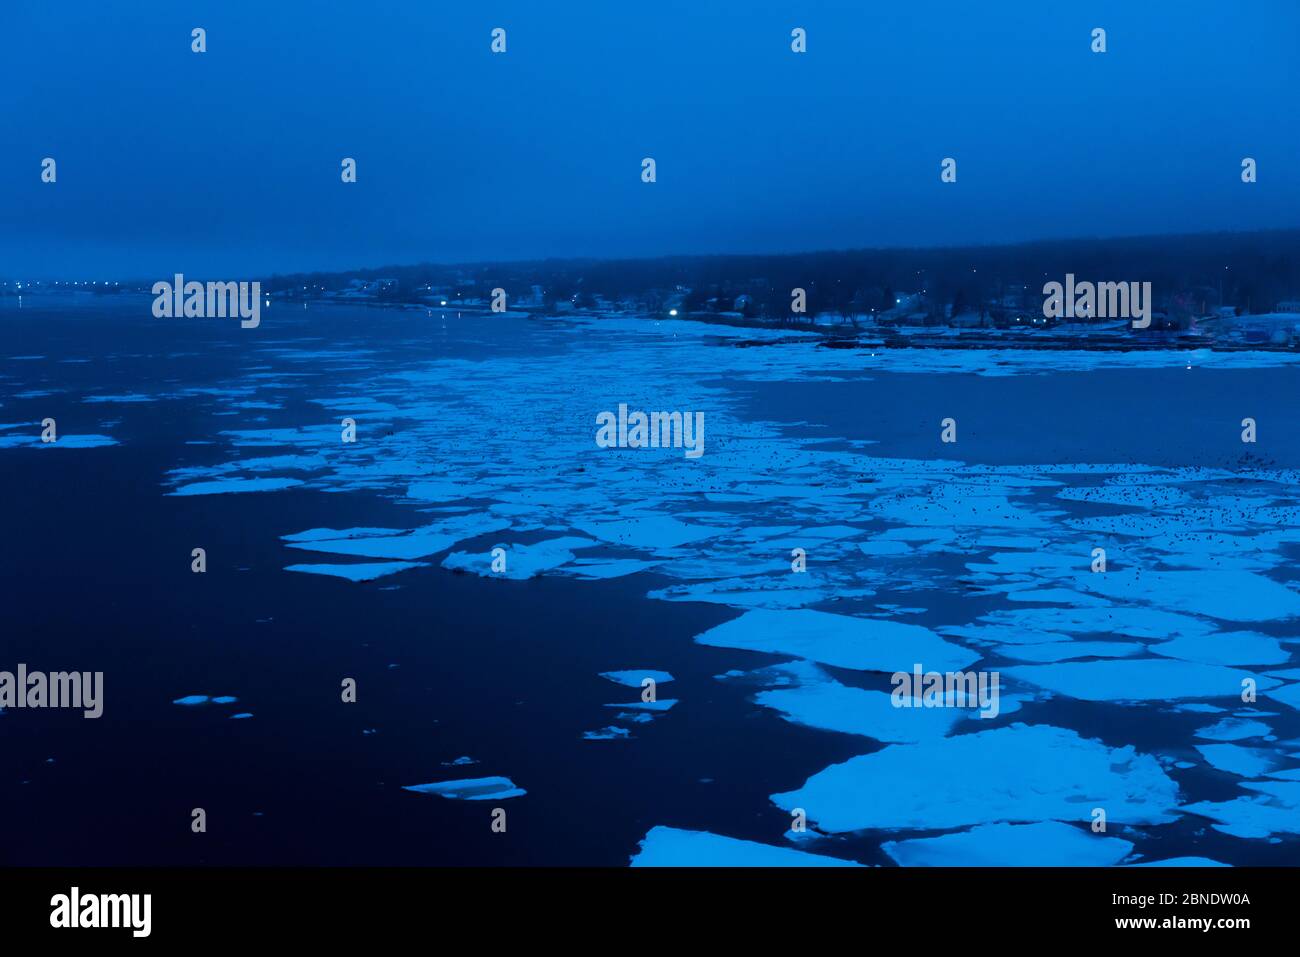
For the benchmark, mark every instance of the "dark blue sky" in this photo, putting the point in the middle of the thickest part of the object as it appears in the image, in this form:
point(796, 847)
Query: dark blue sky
point(227, 163)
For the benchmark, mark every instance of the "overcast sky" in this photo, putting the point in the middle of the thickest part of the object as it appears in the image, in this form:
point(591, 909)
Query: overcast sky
point(226, 163)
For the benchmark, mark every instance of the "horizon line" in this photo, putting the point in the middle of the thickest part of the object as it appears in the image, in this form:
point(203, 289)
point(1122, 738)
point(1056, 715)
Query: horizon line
point(825, 251)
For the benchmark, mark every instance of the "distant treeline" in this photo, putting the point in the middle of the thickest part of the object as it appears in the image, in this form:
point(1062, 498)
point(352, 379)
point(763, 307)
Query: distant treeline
point(1250, 271)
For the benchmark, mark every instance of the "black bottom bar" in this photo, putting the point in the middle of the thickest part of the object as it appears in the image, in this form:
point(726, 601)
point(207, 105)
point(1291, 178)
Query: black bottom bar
point(230, 906)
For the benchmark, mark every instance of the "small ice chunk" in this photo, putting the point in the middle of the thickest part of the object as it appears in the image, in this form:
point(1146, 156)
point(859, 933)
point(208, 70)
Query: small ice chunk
point(633, 678)
point(608, 733)
point(471, 789)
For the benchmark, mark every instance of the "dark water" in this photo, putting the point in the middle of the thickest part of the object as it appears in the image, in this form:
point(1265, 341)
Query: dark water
point(1164, 417)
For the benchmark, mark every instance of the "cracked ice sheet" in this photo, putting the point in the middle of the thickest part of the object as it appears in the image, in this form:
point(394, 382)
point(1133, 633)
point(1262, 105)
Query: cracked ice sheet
point(674, 847)
point(1015, 774)
point(864, 644)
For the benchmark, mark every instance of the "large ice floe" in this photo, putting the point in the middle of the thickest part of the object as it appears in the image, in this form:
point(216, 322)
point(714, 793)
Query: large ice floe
point(1015, 774)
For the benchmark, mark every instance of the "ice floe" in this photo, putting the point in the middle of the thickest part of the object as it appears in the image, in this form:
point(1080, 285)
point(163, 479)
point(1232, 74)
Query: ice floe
point(674, 847)
point(233, 485)
point(832, 706)
point(1045, 844)
point(90, 441)
point(356, 572)
point(1225, 648)
point(194, 700)
point(1017, 774)
point(1235, 759)
point(866, 644)
point(405, 544)
point(1230, 594)
point(1275, 809)
point(633, 679)
point(520, 561)
point(1234, 729)
point(1145, 679)
point(608, 733)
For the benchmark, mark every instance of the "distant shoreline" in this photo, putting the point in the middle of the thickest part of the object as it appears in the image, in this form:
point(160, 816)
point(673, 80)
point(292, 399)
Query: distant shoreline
point(826, 334)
